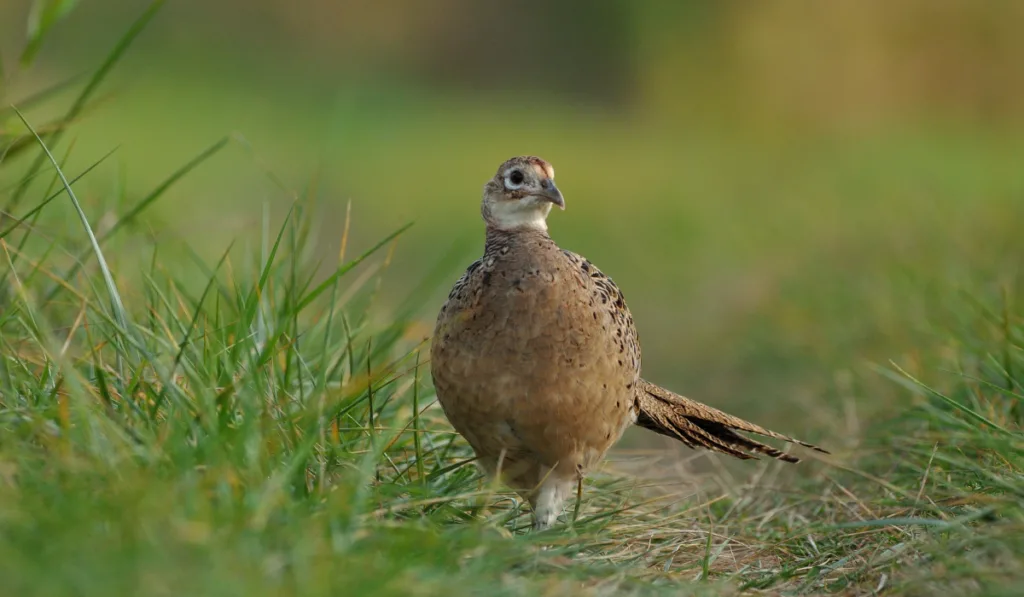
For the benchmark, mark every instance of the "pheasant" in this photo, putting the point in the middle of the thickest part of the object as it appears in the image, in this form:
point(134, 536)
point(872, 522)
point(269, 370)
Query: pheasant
point(536, 362)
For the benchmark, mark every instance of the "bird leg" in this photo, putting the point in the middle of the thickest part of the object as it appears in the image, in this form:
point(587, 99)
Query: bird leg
point(549, 500)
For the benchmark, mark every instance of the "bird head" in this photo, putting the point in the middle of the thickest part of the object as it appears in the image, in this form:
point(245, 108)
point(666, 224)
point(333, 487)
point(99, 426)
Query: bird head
point(521, 195)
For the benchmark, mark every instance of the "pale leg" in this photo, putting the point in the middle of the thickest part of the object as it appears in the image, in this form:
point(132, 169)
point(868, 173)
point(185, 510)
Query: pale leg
point(549, 501)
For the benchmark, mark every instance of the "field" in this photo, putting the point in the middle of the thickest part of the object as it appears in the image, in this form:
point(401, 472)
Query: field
point(213, 364)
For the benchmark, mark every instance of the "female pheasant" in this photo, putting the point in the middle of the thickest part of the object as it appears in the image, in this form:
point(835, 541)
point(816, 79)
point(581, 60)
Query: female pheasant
point(536, 362)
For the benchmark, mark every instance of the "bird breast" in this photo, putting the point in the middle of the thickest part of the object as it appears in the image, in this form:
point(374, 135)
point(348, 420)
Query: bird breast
point(533, 317)
point(525, 341)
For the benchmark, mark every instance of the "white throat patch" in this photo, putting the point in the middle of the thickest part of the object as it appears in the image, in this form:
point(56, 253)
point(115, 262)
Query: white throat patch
point(512, 215)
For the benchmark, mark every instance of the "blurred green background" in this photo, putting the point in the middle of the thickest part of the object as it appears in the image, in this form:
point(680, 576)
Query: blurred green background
point(778, 187)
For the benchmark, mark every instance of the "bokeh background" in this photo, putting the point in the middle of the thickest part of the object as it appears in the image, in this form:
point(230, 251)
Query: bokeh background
point(784, 190)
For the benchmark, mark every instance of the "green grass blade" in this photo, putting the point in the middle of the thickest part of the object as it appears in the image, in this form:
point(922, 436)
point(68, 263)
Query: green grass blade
point(117, 306)
point(41, 96)
point(141, 206)
point(187, 337)
point(953, 403)
point(43, 15)
point(156, 193)
point(341, 271)
point(97, 78)
point(35, 210)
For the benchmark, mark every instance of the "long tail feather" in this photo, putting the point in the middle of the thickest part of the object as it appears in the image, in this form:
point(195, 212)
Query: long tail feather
point(700, 426)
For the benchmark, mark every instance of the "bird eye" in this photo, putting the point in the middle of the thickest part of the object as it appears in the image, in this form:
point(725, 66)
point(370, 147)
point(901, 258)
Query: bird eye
point(514, 179)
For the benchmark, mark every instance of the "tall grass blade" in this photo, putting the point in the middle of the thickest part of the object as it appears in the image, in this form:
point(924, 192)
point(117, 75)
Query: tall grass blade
point(94, 82)
point(40, 96)
point(142, 205)
point(117, 306)
point(35, 210)
point(344, 269)
point(953, 403)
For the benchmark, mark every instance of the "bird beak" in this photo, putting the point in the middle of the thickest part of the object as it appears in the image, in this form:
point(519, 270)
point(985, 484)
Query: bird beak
point(551, 193)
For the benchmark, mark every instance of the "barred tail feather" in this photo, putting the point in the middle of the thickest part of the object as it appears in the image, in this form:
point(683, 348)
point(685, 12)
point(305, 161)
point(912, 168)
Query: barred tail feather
point(700, 426)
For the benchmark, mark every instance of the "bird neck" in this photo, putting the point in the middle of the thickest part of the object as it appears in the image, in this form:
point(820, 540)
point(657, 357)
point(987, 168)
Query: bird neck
point(533, 219)
point(504, 236)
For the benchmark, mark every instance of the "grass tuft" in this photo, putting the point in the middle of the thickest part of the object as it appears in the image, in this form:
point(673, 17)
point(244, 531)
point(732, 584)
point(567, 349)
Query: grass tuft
point(306, 454)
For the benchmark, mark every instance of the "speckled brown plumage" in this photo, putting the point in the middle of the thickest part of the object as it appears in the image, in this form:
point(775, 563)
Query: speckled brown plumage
point(536, 360)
